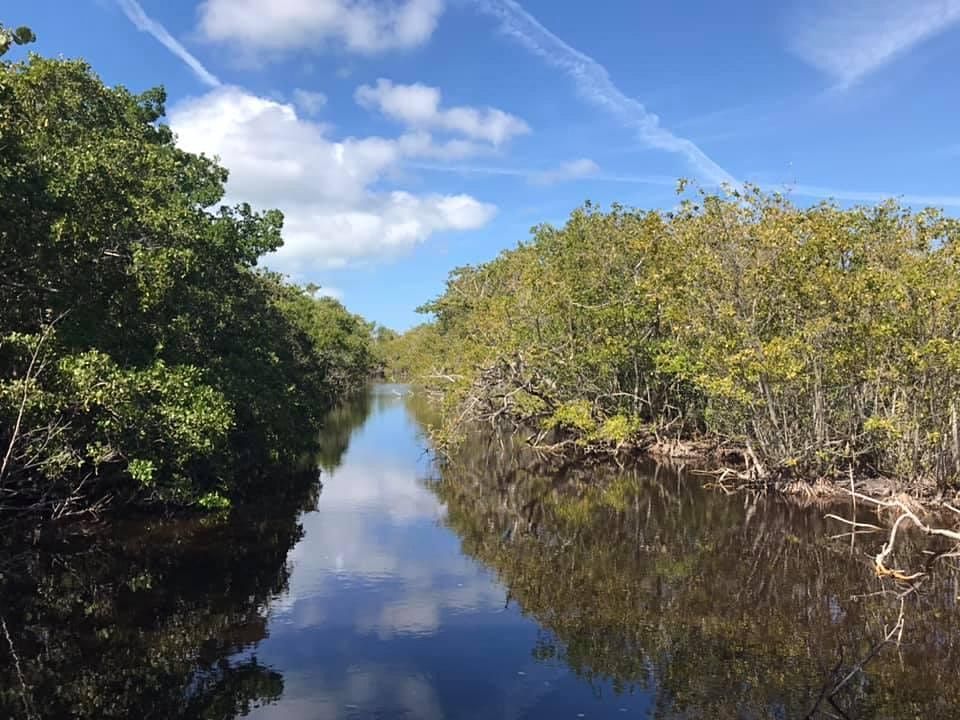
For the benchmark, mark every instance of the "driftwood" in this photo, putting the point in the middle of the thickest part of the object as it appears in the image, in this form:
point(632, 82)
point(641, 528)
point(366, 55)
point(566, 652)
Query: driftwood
point(908, 580)
point(906, 515)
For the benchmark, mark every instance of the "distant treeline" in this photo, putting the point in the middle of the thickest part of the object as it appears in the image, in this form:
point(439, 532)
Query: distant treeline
point(816, 340)
point(143, 355)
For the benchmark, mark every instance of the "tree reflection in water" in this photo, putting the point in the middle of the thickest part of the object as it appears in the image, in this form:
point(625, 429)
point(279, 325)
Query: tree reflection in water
point(716, 606)
point(156, 619)
point(724, 606)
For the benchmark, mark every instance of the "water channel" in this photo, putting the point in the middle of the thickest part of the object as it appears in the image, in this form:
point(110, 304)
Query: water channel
point(495, 586)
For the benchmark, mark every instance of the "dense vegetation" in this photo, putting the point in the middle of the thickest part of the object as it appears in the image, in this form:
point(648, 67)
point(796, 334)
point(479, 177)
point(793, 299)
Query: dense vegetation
point(143, 354)
point(816, 340)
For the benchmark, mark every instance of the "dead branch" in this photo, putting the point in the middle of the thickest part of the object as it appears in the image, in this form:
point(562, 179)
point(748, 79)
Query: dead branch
point(894, 635)
point(15, 434)
point(872, 528)
point(24, 690)
point(906, 515)
point(34, 356)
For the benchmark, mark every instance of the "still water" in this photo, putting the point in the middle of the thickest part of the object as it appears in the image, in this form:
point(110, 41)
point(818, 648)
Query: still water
point(495, 587)
point(387, 617)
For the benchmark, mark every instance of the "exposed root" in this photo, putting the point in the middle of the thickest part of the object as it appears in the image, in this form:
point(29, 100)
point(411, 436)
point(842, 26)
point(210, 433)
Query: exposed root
point(675, 448)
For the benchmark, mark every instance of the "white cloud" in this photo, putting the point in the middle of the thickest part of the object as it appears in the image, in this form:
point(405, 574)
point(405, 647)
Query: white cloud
point(330, 292)
point(422, 144)
point(325, 187)
point(848, 40)
point(418, 106)
point(384, 226)
point(594, 84)
point(368, 689)
point(369, 528)
point(358, 25)
point(144, 23)
point(308, 101)
point(573, 170)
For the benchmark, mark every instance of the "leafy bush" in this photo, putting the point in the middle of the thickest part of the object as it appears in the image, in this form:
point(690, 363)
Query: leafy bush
point(143, 355)
point(825, 338)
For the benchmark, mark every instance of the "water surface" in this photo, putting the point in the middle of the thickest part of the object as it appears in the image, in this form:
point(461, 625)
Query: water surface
point(496, 586)
point(386, 616)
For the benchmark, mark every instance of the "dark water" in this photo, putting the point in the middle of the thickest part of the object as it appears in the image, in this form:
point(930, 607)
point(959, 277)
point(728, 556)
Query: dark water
point(498, 587)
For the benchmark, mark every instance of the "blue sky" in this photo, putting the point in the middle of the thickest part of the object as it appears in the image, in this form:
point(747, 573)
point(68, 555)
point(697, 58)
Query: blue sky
point(403, 138)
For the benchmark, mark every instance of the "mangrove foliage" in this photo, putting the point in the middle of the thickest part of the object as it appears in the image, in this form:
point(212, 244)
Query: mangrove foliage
point(814, 341)
point(144, 354)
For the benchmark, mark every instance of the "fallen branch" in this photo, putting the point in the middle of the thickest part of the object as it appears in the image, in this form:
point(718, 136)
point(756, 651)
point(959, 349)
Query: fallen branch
point(906, 515)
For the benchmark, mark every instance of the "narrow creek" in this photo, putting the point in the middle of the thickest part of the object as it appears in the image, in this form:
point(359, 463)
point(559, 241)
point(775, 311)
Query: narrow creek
point(488, 588)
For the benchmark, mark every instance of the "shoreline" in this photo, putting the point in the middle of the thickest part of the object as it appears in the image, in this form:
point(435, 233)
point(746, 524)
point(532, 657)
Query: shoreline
point(727, 465)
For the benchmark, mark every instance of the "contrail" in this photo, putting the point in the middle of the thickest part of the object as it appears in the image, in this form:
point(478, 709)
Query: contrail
point(134, 12)
point(594, 84)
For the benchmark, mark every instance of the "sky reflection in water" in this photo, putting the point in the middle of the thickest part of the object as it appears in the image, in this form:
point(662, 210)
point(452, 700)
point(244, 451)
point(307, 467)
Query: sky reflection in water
point(385, 617)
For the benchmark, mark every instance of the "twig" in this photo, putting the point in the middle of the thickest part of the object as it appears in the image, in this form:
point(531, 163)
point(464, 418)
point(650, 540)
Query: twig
point(23, 406)
point(16, 663)
point(895, 632)
point(26, 394)
point(855, 524)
